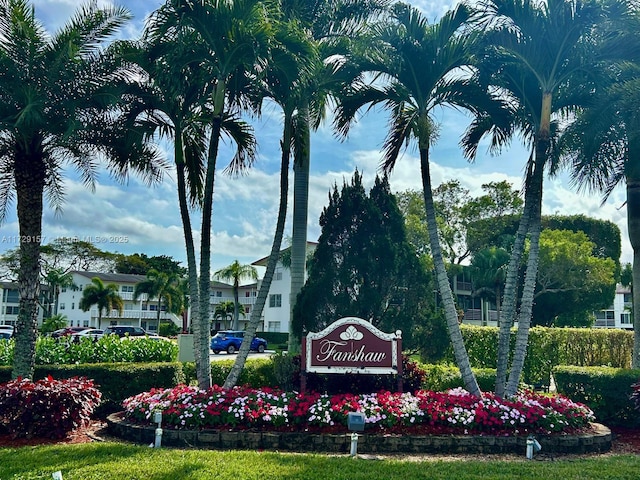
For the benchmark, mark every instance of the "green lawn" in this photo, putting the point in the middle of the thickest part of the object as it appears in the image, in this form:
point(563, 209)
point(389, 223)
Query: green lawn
point(115, 461)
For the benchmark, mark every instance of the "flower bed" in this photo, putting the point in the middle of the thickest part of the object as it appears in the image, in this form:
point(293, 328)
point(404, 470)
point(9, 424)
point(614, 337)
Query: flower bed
point(424, 413)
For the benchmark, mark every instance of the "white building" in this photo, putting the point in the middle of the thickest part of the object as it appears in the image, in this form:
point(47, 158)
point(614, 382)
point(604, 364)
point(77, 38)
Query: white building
point(277, 309)
point(10, 304)
point(142, 312)
point(618, 315)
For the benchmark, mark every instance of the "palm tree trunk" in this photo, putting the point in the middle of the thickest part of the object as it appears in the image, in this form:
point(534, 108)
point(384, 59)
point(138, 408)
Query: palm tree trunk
point(203, 372)
point(256, 312)
point(236, 309)
point(633, 224)
point(451, 315)
point(528, 292)
point(194, 302)
point(301, 167)
point(508, 313)
point(29, 183)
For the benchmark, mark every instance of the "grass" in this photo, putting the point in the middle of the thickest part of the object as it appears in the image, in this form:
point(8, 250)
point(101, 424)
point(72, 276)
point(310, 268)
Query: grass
point(119, 461)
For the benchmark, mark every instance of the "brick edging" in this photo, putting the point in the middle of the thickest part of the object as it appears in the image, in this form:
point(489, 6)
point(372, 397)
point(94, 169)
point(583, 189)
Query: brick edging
point(599, 440)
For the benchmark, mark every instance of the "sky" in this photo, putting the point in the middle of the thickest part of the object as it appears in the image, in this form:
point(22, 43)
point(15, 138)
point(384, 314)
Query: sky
point(134, 218)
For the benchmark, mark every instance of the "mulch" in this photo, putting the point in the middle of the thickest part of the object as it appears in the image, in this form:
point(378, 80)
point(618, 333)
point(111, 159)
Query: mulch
point(625, 440)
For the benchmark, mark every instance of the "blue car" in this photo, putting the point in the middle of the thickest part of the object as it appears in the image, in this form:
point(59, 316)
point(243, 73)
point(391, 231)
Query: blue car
point(230, 341)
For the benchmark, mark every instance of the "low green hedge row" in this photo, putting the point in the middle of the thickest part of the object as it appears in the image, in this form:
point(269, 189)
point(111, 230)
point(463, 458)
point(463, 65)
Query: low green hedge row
point(550, 347)
point(605, 390)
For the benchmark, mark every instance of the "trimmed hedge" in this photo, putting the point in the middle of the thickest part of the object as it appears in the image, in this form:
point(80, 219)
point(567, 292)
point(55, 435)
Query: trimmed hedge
point(440, 377)
point(605, 390)
point(549, 347)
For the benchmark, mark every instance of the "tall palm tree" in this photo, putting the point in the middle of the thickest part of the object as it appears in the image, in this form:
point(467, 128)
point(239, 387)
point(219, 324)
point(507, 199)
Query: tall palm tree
point(539, 55)
point(230, 48)
point(418, 66)
point(61, 104)
point(165, 288)
point(224, 311)
point(603, 145)
point(332, 25)
point(284, 82)
point(105, 297)
point(234, 273)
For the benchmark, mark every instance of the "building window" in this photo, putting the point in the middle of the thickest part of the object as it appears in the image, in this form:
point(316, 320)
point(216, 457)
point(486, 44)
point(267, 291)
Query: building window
point(247, 294)
point(275, 300)
point(73, 306)
point(625, 318)
point(62, 306)
point(129, 306)
point(127, 288)
point(247, 309)
point(278, 274)
point(273, 327)
point(218, 294)
point(11, 310)
point(628, 298)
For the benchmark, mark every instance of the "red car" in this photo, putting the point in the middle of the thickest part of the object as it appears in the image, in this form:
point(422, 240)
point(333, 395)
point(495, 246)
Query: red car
point(67, 331)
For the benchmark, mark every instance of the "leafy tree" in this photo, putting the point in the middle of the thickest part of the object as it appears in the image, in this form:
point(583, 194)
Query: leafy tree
point(105, 297)
point(572, 281)
point(235, 273)
point(141, 264)
point(165, 288)
point(61, 105)
point(363, 265)
point(224, 311)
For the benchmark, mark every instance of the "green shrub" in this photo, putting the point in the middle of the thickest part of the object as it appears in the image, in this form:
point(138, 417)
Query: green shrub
point(108, 349)
point(441, 377)
point(549, 347)
point(46, 408)
point(605, 390)
point(168, 329)
point(275, 340)
point(257, 372)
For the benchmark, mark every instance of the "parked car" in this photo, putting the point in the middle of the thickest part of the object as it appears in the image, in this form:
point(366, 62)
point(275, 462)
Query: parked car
point(126, 330)
point(67, 331)
point(93, 333)
point(6, 331)
point(230, 340)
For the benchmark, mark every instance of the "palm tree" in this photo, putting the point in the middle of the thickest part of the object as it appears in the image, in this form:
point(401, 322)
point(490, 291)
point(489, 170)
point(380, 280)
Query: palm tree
point(234, 273)
point(59, 107)
point(56, 279)
point(230, 41)
point(224, 311)
point(419, 63)
point(332, 25)
point(165, 288)
point(284, 82)
point(539, 55)
point(603, 145)
point(105, 297)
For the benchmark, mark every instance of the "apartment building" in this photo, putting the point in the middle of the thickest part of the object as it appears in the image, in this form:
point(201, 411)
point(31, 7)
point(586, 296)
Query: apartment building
point(618, 315)
point(141, 312)
point(10, 304)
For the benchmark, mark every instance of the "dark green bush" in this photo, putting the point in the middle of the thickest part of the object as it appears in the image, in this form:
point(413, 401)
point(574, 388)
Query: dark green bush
point(605, 390)
point(275, 340)
point(257, 372)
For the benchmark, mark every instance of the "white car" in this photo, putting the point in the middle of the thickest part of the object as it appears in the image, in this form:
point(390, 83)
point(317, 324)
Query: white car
point(6, 331)
point(93, 333)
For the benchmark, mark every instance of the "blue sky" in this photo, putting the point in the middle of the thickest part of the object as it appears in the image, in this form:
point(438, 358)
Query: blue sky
point(135, 218)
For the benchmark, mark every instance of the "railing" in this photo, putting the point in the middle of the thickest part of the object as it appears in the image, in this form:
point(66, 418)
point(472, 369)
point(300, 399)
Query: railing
point(143, 314)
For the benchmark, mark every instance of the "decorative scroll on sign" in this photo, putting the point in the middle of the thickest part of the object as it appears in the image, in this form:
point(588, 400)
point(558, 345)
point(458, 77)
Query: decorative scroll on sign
point(352, 345)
